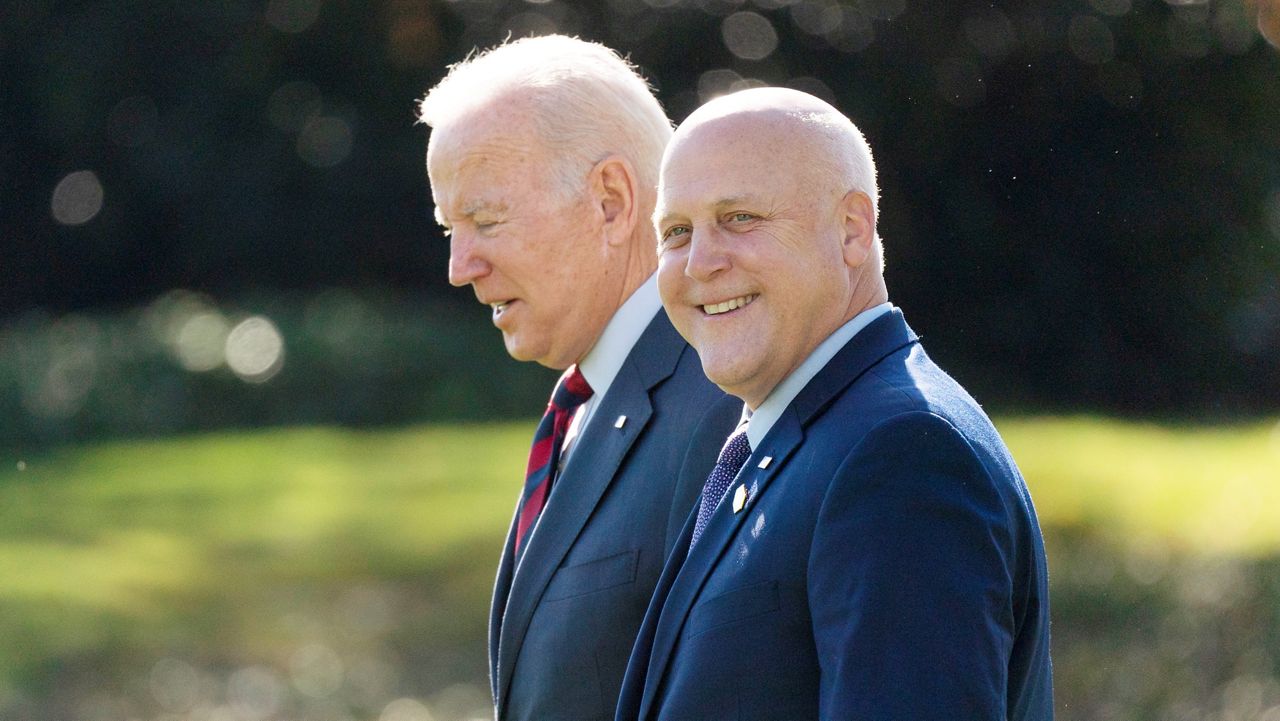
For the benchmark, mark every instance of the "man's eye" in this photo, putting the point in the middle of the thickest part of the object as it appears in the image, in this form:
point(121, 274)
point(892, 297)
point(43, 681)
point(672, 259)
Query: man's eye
point(741, 217)
point(675, 235)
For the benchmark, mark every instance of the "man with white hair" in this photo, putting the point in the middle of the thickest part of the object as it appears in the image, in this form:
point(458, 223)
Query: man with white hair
point(865, 547)
point(543, 161)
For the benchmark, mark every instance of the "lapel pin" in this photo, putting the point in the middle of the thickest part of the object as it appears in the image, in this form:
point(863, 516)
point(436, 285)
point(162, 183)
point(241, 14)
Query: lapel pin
point(739, 498)
point(764, 462)
point(622, 421)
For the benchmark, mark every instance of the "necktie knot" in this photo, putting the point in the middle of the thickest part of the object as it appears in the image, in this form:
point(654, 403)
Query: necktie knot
point(736, 451)
point(572, 390)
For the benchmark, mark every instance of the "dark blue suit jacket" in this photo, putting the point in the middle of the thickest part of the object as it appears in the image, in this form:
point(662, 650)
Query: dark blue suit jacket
point(562, 623)
point(887, 564)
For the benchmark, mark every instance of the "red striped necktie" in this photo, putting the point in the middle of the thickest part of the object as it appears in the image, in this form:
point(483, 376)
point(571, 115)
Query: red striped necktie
point(571, 391)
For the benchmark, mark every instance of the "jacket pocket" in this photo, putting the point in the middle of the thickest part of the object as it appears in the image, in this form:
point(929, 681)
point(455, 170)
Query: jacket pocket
point(591, 576)
point(757, 599)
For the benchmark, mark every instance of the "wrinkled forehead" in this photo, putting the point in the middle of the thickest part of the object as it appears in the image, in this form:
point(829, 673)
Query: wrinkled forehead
point(478, 159)
point(486, 133)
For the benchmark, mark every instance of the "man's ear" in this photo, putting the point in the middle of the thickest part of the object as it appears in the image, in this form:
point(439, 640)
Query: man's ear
point(859, 228)
point(613, 187)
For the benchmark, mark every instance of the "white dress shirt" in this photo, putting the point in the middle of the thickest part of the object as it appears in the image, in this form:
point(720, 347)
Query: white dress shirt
point(602, 363)
point(762, 419)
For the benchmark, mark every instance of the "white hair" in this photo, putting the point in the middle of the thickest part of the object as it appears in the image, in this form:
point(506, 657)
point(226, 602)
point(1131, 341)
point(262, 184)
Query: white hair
point(586, 101)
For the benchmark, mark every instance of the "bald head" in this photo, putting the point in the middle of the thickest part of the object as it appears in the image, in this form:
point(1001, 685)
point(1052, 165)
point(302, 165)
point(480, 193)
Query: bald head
point(766, 234)
point(789, 123)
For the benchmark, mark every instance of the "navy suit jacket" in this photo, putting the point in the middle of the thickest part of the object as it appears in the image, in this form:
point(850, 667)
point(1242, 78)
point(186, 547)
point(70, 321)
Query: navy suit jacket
point(562, 624)
point(886, 564)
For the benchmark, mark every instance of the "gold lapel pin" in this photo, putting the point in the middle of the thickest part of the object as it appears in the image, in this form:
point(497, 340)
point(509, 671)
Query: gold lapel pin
point(739, 498)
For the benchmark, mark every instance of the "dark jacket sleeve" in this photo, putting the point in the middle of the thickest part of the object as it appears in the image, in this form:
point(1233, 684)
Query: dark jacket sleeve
point(910, 579)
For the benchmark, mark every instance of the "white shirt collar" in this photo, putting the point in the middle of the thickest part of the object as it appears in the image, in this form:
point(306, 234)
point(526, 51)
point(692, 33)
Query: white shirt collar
point(602, 363)
point(762, 420)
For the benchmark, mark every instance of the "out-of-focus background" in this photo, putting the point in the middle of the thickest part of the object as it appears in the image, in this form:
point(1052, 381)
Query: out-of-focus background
point(257, 457)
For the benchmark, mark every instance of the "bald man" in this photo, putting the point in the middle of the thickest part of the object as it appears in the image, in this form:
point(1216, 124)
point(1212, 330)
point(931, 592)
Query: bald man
point(866, 547)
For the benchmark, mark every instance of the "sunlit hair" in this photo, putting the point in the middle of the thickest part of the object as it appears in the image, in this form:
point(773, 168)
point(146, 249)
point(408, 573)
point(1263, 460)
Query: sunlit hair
point(586, 103)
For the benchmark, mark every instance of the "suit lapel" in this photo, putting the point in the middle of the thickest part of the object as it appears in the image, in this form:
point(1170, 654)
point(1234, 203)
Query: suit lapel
point(702, 558)
point(498, 604)
point(595, 460)
point(878, 340)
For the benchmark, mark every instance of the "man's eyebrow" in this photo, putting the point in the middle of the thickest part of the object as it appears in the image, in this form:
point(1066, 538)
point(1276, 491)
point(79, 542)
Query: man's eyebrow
point(483, 205)
point(719, 205)
point(660, 220)
point(471, 209)
point(734, 200)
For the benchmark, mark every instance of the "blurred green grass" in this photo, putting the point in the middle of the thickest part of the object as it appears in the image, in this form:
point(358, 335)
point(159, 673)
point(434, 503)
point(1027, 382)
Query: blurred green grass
point(250, 550)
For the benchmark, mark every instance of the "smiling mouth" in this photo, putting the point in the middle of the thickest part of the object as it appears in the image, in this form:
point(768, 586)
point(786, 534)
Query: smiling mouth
point(728, 305)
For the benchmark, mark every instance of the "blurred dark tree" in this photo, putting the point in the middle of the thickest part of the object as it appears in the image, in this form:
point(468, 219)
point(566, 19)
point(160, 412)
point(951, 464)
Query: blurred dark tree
point(1080, 200)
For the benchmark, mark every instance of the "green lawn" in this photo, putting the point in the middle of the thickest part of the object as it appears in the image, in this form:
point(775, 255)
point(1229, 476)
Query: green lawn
point(324, 574)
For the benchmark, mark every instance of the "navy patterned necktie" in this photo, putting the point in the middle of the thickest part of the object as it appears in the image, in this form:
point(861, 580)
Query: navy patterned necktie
point(735, 453)
point(544, 456)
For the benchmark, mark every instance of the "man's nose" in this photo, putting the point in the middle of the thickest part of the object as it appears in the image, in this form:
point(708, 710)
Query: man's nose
point(466, 265)
point(708, 255)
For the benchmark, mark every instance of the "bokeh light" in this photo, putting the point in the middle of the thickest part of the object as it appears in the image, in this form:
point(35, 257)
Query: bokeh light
point(57, 377)
point(855, 32)
point(1091, 40)
point(255, 693)
point(190, 326)
point(292, 16)
point(344, 323)
point(200, 344)
point(255, 350)
point(133, 121)
point(316, 670)
point(820, 18)
point(714, 83)
point(749, 35)
point(991, 33)
point(1233, 29)
point(413, 34)
point(325, 142)
point(812, 86)
point(174, 684)
point(293, 105)
point(77, 198)
point(406, 709)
